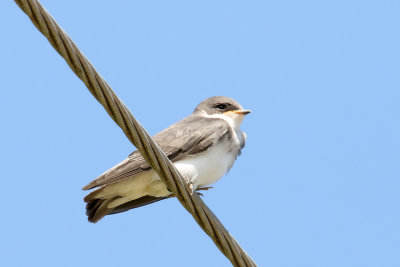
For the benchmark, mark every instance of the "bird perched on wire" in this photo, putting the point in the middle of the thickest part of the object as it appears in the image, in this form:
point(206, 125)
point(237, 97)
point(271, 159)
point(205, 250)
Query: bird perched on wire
point(202, 146)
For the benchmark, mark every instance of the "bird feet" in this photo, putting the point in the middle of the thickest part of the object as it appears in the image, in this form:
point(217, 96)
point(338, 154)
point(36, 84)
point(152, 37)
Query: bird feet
point(203, 188)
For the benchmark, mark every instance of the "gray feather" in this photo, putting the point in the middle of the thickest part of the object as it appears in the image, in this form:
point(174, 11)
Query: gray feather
point(188, 137)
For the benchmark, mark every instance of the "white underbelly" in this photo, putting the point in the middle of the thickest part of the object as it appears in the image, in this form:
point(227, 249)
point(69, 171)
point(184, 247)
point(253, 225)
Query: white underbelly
point(208, 167)
point(201, 170)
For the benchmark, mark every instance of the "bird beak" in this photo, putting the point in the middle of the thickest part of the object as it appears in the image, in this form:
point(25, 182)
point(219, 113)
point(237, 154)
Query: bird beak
point(242, 111)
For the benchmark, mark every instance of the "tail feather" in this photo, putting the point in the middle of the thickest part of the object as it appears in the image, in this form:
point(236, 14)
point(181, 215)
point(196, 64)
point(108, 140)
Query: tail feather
point(133, 204)
point(97, 208)
point(124, 195)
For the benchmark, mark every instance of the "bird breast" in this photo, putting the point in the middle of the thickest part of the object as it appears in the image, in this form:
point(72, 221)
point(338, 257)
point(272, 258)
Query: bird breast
point(208, 167)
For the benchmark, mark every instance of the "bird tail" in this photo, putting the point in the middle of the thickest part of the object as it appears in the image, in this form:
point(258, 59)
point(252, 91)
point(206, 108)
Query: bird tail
point(97, 207)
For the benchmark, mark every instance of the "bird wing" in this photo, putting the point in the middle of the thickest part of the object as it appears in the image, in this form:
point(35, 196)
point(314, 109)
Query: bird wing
point(188, 137)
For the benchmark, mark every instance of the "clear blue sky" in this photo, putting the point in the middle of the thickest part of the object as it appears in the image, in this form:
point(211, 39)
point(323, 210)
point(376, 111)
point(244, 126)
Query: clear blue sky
point(317, 183)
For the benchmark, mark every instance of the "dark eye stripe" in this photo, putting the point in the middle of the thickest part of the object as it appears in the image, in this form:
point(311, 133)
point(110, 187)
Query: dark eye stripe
point(221, 106)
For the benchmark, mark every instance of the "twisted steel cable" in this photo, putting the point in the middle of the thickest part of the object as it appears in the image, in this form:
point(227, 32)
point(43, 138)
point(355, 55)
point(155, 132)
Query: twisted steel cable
point(138, 136)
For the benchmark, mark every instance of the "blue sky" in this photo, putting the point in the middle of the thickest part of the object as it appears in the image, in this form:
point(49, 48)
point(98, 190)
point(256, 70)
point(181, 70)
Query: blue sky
point(317, 183)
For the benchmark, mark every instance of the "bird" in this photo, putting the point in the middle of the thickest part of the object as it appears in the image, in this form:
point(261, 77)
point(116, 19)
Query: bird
point(203, 147)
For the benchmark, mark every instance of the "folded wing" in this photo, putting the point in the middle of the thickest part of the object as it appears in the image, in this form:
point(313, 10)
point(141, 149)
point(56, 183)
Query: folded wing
point(186, 138)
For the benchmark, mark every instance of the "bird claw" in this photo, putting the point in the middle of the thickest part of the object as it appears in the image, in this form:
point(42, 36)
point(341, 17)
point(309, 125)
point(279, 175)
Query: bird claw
point(205, 188)
point(192, 190)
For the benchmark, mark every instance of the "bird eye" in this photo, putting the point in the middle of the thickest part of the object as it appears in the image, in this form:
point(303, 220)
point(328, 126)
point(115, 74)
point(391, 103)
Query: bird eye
point(221, 106)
